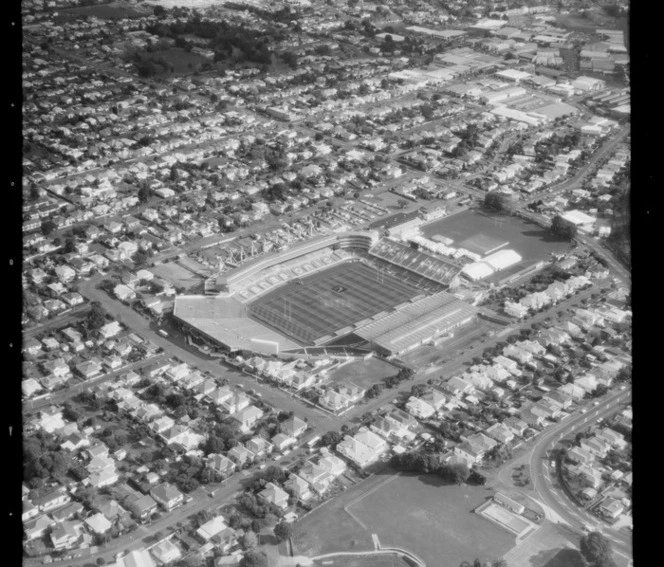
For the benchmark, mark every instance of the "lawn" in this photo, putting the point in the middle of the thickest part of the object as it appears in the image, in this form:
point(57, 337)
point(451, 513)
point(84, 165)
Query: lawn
point(177, 275)
point(418, 513)
point(530, 241)
point(363, 373)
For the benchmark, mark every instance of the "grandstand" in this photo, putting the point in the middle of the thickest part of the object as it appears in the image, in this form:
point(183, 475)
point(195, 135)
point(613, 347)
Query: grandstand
point(417, 323)
point(436, 269)
point(247, 274)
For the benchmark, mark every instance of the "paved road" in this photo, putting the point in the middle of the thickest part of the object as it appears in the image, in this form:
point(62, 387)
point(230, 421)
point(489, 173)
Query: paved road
point(542, 474)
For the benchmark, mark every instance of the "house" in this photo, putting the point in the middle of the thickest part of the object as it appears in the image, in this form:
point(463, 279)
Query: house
point(167, 496)
point(52, 500)
point(298, 486)
point(236, 403)
point(359, 453)
point(596, 446)
point(293, 426)
point(611, 508)
point(334, 401)
point(211, 528)
point(580, 455)
point(98, 523)
point(613, 438)
point(89, 369)
point(259, 446)
point(135, 559)
point(419, 408)
point(142, 506)
point(281, 441)
point(29, 511)
point(352, 392)
point(274, 495)
point(220, 464)
point(165, 552)
point(65, 534)
point(500, 432)
point(240, 455)
point(37, 527)
point(247, 417)
point(317, 476)
point(110, 330)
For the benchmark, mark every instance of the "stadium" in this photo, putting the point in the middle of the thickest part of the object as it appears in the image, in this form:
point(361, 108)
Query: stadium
point(351, 288)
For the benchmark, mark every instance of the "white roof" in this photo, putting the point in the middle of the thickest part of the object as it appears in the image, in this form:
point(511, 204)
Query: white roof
point(477, 270)
point(502, 259)
point(577, 217)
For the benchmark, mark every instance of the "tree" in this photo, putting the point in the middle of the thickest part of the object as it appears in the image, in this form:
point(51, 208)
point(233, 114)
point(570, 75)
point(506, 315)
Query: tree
point(144, 194)
point(34, 192)
point(331, 438)
point(48, 227)
point(282, 531)
point(477, 562)
point(563, 228)
point(249, 540)
point(596, 549)
point(69, 413)
point(497, 201)
point(140, 258)
point(499, 563)
point(97, 317)
point(254, 558)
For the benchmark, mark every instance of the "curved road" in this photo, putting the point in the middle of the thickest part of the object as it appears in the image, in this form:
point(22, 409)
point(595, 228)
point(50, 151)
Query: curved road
point(541, 474)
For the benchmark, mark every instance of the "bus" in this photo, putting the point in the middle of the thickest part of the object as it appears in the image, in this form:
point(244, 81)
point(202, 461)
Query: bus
point(543, 388)
point(163, 333)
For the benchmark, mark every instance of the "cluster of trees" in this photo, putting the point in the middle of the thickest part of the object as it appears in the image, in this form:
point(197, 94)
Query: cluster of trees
point(420, 462)
point(596, 550)
point(42, 459)
point(225, 38)
point(223, 437)
point(273, 473)
point(257, 509)
point(498, 201)
point(563, 228)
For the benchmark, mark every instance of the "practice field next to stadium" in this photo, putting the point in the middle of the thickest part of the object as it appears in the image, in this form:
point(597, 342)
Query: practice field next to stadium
point(324, 303)
point(482, 234)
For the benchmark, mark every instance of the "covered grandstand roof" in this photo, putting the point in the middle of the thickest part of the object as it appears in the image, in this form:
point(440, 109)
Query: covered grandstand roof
point(417, 322)
point(224, 319)
point(421, 263)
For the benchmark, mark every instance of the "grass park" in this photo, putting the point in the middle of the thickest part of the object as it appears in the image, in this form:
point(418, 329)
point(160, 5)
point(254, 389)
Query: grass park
point(442, 528)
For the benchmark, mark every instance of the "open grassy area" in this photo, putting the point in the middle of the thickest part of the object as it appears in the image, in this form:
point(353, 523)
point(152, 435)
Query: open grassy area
point(531, 242)
point(110, 11)
point(441, 526)
point(363, 373)
point(177, 275)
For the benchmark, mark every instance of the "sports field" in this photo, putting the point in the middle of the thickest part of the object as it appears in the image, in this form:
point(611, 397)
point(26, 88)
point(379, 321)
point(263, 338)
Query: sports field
point(434, 521)
point(480, 233)
point(326, 302)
